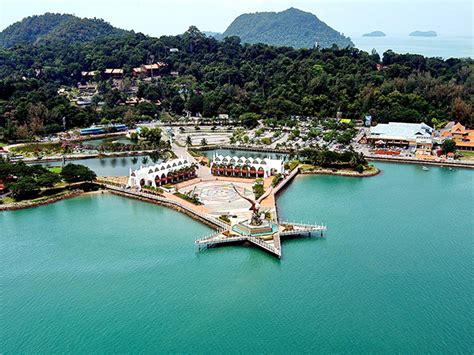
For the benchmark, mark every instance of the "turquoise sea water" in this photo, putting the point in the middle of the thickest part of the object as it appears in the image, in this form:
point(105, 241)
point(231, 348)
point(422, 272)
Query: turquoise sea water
point(442, 46)
point(103, 273)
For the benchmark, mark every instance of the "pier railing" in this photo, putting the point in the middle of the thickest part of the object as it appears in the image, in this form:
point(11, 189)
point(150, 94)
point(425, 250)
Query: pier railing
point(216, 239)
point(301, 228)
point(264, 245)
point(211, 236)
point(305, 226)
point(286, 180)
point(276, 189)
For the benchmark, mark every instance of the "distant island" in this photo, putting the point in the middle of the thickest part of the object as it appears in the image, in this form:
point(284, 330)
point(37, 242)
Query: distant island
point(374, 34)
point(423, 34)
point(292, 28)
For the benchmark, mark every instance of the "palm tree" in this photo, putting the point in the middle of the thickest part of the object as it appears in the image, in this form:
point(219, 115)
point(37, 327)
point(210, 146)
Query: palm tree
point(134, 160)
point(145, 160)
point(203, 141)
point(189, 142)
point(154, 156)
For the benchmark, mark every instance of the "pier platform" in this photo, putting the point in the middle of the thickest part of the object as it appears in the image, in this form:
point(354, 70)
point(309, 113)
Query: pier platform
point(271, 244)
point(220, 198)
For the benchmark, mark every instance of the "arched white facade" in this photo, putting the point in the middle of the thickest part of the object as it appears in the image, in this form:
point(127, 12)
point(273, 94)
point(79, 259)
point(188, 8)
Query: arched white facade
point(246, 167)
point(161, 174)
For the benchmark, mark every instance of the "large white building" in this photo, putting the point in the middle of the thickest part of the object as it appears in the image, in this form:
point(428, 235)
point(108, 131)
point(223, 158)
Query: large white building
point(400, 134)
point(161, 174)
point(246, 167)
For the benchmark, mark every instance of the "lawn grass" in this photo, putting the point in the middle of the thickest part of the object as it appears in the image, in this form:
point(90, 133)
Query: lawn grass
point(55, 169)
point(467, 155)
point(31, 149)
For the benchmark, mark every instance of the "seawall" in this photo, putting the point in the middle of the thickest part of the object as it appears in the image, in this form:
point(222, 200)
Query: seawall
point(31, 204)
point(452, 164)
point(167, 203)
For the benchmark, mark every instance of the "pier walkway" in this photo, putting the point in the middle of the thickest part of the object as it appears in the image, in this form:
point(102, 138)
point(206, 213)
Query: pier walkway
point(224, 234)
point(220, 238)
point(294, 229)
point(273, 246)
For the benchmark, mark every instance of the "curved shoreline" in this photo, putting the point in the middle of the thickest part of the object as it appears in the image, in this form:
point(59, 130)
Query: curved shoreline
point(167, 204)
point(452, 164)
point(31, 204)
point(341, 173)
point(89, 156)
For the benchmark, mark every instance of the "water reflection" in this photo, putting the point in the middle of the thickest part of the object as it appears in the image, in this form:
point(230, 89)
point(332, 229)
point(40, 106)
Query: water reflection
point(112, 166)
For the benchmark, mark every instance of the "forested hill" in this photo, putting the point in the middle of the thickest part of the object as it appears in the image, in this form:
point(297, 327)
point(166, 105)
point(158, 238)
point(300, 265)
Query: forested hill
point(292, 28)
point(51, 27)
point(276, 84)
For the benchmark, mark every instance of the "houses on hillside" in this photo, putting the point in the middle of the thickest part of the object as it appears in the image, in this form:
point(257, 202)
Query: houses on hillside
point(148, 70)
point(144, 71)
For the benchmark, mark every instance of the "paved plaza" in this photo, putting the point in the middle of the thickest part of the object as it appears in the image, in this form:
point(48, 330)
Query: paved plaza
point(220, 198)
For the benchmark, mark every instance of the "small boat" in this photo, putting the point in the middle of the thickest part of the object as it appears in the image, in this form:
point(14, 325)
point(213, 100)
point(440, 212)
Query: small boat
point(425, 168)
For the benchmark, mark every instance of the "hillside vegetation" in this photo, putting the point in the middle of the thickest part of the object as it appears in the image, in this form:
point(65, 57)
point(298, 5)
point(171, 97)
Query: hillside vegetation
point(52, 27)
point(292, 28)
point(248, 82)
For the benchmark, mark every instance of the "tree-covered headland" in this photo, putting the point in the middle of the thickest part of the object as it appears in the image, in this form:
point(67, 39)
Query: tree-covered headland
point(24, 182)
point(203, 75)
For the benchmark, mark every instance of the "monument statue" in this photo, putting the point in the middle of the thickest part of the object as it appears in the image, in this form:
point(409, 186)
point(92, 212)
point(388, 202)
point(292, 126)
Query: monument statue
point(256, 220)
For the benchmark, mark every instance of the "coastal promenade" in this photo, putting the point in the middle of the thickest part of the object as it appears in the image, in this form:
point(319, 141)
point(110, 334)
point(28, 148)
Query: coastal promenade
point(406, 160)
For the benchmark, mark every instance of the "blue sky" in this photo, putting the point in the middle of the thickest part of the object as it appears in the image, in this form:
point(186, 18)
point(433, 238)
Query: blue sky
point(352, 17)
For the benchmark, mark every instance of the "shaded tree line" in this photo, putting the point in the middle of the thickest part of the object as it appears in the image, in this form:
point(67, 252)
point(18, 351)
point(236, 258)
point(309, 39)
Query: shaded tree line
point(277, 84)
point(332, 159)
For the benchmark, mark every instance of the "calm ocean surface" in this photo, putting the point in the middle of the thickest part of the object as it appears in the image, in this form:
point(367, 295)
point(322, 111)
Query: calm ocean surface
point(441, 46)
point(108, 274)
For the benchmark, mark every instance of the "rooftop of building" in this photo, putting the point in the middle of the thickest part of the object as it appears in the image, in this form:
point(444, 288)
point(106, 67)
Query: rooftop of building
point(401, 130)
point(243, 160)
point(170, 164)
point(462, 136)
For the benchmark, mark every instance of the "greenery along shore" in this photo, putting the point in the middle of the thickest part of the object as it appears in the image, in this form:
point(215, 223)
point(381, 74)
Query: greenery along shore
point(35, 182)
point(278, 84)
point(326, 161)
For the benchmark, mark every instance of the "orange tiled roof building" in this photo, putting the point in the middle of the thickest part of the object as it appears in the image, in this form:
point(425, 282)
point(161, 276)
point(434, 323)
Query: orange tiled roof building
point(464, 138)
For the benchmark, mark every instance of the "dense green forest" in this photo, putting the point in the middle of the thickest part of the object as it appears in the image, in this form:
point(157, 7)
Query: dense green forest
point(278, 84)
point(55, 27)
point(292, 27)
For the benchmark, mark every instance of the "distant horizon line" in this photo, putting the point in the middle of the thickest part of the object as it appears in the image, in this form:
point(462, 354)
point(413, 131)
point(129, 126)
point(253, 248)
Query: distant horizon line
point(347, 34)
